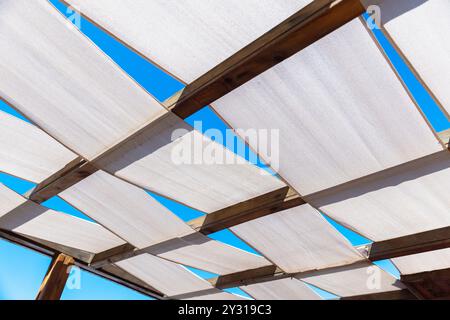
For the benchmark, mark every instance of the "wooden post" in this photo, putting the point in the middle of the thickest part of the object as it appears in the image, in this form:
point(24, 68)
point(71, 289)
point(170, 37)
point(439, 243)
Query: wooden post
point(54, 282)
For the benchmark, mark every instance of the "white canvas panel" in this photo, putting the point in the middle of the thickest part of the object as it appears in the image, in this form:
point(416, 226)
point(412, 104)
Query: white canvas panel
point(9, 200)
point(420, 28)
point(29, 153)
point(188, 38)
point(176, 161)
point(423, 262)
point(284, 289)
point(59, 228)
point(165, 276)
point(409, 200)
point(219, 295)
point(297, 240)
point(125, 209)
point(62, 82)
point(201, 252)
point(340, 110)
point(354, 280)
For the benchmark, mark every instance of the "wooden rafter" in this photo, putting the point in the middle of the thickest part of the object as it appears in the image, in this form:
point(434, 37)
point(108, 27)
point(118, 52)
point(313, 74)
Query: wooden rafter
point(302, 29)
point(254, 208)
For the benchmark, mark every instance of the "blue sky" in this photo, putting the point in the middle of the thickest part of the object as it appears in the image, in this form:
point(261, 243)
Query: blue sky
point(22, 270)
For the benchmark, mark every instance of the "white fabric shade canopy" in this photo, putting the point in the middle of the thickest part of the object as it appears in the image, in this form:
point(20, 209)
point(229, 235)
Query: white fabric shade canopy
point(297, 240)
point(29, 219)
point(177, 280)
point(353, 146)
point(419, 29)
point(176, 161)
point(423, 262)
point(61, 81)
point(342, 104)
point(284, 289)
point(21, 146)
point(354, 280)
point(188, 45)
point(411, 199)
point(127, 210)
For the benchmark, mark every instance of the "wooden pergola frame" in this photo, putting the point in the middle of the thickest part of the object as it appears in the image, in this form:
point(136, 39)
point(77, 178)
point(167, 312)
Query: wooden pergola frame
point(297, 32)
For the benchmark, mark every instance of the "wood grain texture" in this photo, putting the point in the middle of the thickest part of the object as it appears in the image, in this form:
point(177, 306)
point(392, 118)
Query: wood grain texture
point(55, 280)
point(432, 285)
point(410, 244)
point(81, 260)
point(254, 208)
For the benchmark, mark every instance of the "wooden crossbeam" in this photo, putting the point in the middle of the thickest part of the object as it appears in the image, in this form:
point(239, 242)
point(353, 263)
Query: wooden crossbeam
point(302, 29)
point(258, 207)
point(254, 208)
point(69, 176)
point(411, 244)
point(388, 249)
point(431, 285)
point(55, 280)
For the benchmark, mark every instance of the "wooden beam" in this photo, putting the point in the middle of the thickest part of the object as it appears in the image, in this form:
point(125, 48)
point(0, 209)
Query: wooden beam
point(411, 244)
point(254, 208)
point(55, 280)
point(390, 295)
point(242, 278)
point(302, 29)
point(265, 274)
point(69, 176)
point(432, 285)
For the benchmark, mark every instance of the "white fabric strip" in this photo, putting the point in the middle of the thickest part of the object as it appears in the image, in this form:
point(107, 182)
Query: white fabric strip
point(201, 252)
point(29, 153)
point(61, 81)
point(410, 200)
point(355, 280)
point(420, 30)
point(297, 240)
point(176, 161)
point(125, 209)
point(188, 38)
point(284, 289)
point(339, 110)
point(167, 277)
point(219, 295)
